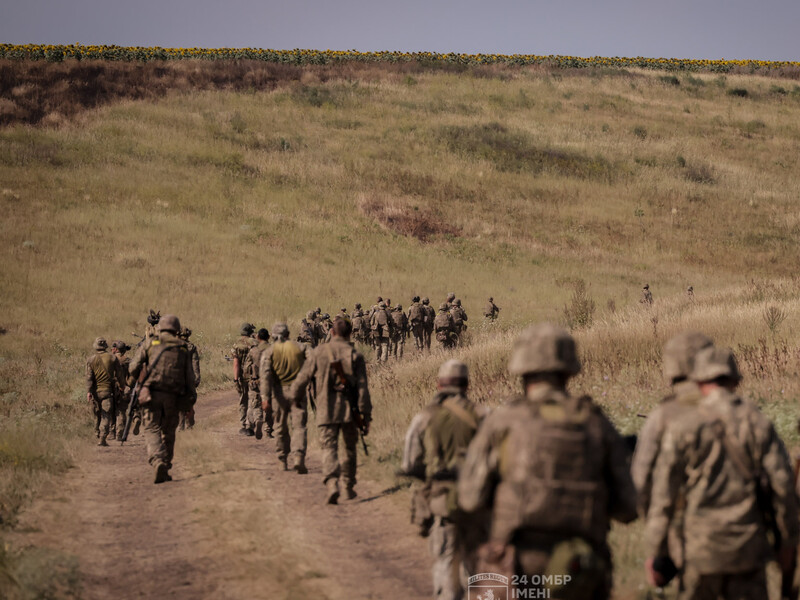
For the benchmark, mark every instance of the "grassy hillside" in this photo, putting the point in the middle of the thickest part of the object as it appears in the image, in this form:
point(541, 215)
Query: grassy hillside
point(226, 206)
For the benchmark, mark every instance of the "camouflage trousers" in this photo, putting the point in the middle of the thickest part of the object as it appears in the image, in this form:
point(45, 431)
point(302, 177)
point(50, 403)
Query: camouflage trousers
point(398, 346)
point(102, 407)
point(427, 335)
point(244, 402)
point(382, 348)
point(160, 417)
point(533, 562)
point(255, 414)
point(449, 574)
point(332, 468)
point(186, 419)
point(296, 441)
point(750, 585)
point(418, 331)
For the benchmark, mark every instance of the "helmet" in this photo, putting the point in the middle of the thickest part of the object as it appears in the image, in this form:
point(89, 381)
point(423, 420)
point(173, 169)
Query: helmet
point(121, 346)
point(491, 299)
point(246, 329)
point(544, 348)
point(680, 352)
point(381, 305)
point(358, 304)
point(310, 314)
point(100, 343)
point(451, 296)
point(343, 309)
point(280, 330)
point(318, 310)
point(185, 333)
point(443, 306)
point(326, 316)
point(712, 363)
point(453, 369)
point(646, 286)
point(458, 302)
point(170, 323)
point(399, 307)
point(153, 317)
point(380, 299)
point(263, 334)
point(426, 300)
point(415, 299)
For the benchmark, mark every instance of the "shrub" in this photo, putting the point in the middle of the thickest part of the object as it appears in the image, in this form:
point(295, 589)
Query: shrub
point(738, 92)
point(579, 312)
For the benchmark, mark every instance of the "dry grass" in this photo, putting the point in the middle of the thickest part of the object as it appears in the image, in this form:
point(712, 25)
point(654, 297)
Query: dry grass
point(343, 184)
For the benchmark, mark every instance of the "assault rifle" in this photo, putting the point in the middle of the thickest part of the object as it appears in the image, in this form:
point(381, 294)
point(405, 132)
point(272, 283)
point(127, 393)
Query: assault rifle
point(133, 405)
point(352, 399)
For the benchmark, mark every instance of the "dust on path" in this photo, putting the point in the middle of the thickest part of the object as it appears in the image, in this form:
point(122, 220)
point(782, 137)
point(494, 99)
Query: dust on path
point(232, 524)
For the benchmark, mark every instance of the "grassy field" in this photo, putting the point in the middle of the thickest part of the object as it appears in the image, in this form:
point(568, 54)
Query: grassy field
point(336, 186)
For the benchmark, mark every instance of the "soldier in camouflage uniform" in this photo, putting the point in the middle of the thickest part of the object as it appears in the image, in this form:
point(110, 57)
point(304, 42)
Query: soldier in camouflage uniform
point(434, 449)
point(308, 330)
point(338, 370)
point(444, 327)
point(416, 321)
point(727, 469)
point(451, 297)
point(256, 413)
point(102, 387)
point(381, 326)
point(553, 471)
point(491, 311)
point(344, 314)
point(167, 387)
point(459, 319)
point(427, 323)
point(647, 295)
point(119, 350)
point(240, 378)
point(400, 331)
point(359, 322)
point(280, 364)
point(186, 419)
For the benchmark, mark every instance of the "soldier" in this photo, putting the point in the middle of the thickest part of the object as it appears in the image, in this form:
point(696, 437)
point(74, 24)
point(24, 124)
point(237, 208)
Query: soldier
point(647, 295)
point(416, 321)
point(553, 471)
point(256, 413)
point(678, 361)
point(427, 322)
point(491, 311)
point(325, 325)
point(340, 375)
point(166, 379)
point(102, 386)
point(690, 293)
point(450, 299)
point(308, 330)
point(359, 324)
point(343, 313)
point(280, 364)
point(725, 466)
point(151, 330)
point(435, 445)
point(459, 319)
point(119, 350)
point(381, 325)
point(240, 378)
point(399, 331)
point(443, 325)
point(186, 418)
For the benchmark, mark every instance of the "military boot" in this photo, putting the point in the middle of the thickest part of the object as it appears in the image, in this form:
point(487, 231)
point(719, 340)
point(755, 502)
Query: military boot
point(333, 491)
point(102, 441)
point(136, 427)
point(350, 492)
point(259, 430)
point(162, 473)
point(284, 463)
point(301, 469)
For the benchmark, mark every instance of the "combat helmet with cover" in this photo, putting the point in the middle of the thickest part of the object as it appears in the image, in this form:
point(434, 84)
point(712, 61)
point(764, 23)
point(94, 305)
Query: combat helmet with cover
point(169, 323)
point(715, 363)
point(100, 344)
point(679, 354)
point(247, 329)
point(544, 348)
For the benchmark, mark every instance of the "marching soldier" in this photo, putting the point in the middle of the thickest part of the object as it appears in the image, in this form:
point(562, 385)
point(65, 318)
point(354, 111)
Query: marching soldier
point(491, 311)
point(427, 322)
point(280, 364)
point(647, 295)
point(102, 386)
point(119, 350)
point(382, 330)
point(256, 413)
point(443, 325)
point(166, 380)
point(723, 474)
point(343, 405)
point(416, 320)
point(240, 378)
point(187, 416)
point(459, 319)
point(399, 331)
point(552, 470)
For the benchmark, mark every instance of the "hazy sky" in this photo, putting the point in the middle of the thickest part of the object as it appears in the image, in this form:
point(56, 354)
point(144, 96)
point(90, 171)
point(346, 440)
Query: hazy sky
point(766, 29)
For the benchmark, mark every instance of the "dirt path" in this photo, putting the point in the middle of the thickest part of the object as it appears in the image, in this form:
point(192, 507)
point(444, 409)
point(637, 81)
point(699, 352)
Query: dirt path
point(232, 524)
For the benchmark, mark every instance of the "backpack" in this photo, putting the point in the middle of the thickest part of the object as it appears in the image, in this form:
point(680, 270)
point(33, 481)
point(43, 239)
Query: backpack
point(399, 319)
point(415, 314)
point(442, 321)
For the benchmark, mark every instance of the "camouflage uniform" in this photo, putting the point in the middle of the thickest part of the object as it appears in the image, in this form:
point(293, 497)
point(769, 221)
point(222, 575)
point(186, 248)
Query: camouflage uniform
point(427, 323)
point(102, 387)
point(280, 364)
point(434, 448)
point(647, 295)
point(334, 415)
point(399, 331)
point(444, 327)
point(186, 418)
point(459, 319)
point(725, 465)
point(552, 469)
point(491, 311)
point(381, 325)
point(416, 320)
point(167, 389)
point(451, 298)
point(360, 327)
point(239, 352)
point(259, 409)
point(119, 350)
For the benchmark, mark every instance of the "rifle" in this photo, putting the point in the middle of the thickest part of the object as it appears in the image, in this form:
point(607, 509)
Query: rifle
point(133, 405)
point(352, 400)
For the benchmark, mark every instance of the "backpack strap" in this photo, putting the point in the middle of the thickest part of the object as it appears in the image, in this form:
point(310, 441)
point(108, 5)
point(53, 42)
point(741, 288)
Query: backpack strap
point(459, 412)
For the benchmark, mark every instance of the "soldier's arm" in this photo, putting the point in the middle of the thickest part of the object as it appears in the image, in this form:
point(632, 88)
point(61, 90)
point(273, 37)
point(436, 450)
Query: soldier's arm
point(364, 400)
point(300, 384)
point(90, 383)
point(668, 483)
point(622, 492)
point(188, 373)
point(265, 374)
point(479, 473)
point(138, 362)
point(196, 366)
point(413, 463)
point(644, 458)
point(777, 468)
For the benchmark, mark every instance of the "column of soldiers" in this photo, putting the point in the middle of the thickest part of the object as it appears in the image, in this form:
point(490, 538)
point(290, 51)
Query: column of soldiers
point(529, 491)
